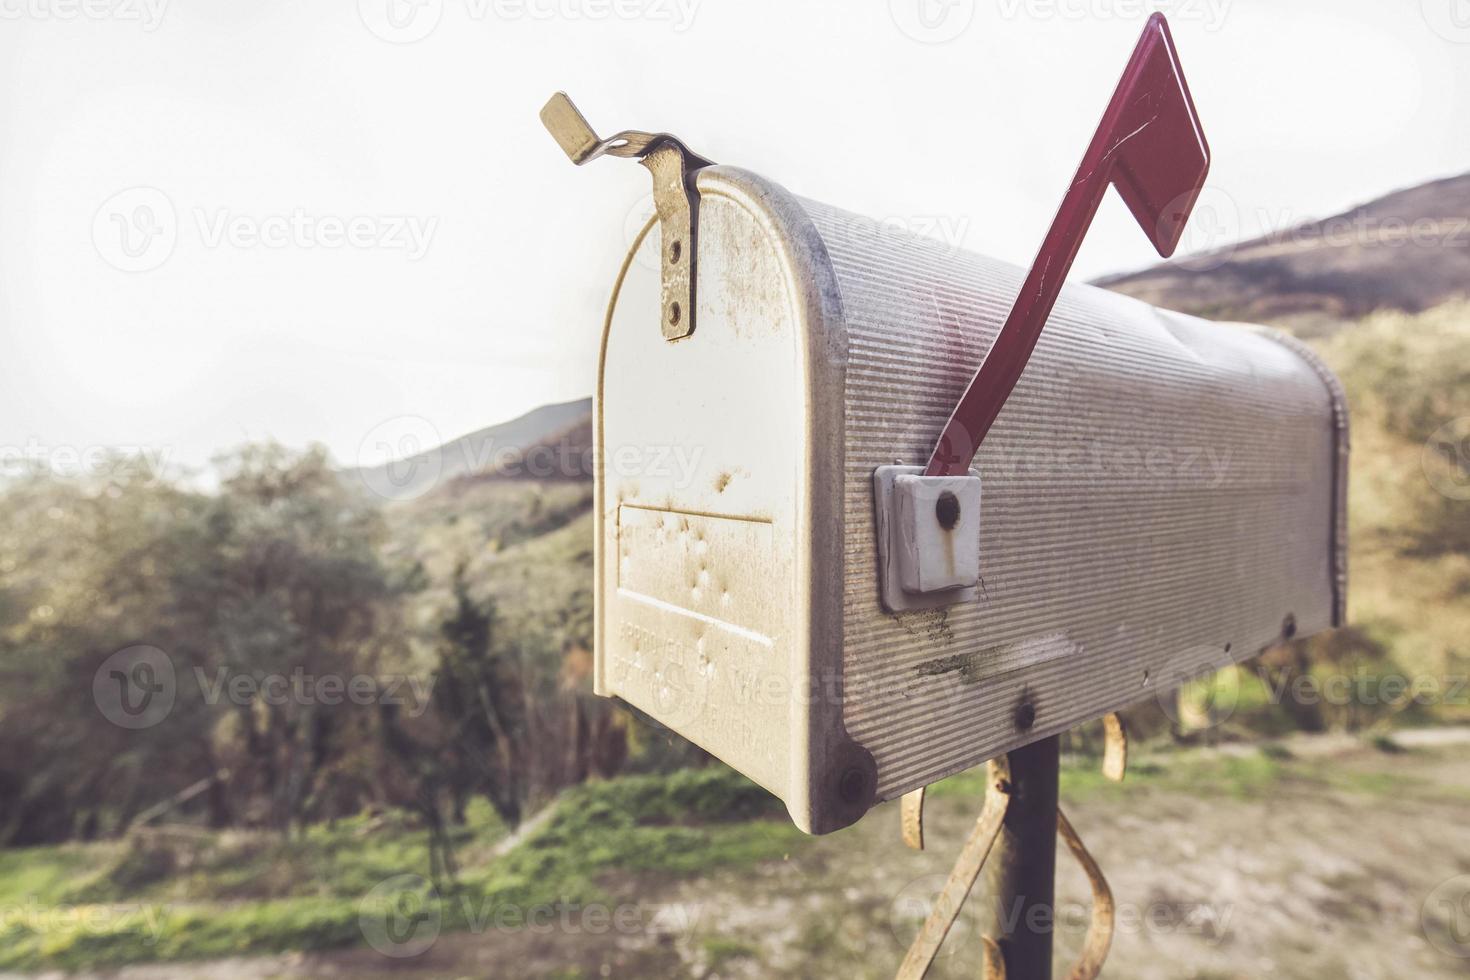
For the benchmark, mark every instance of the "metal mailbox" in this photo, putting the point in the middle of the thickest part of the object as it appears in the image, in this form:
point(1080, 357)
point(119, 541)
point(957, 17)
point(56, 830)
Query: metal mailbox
point(1161, 495)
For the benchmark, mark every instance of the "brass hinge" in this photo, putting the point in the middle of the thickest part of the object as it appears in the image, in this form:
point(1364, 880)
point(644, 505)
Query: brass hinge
point(675, 198)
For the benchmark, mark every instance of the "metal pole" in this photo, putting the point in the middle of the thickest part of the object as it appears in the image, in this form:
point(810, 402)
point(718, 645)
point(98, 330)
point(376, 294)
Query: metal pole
point(1021, 871)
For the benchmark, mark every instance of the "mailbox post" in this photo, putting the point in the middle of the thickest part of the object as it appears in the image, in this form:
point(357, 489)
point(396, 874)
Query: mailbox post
point(1021, 874)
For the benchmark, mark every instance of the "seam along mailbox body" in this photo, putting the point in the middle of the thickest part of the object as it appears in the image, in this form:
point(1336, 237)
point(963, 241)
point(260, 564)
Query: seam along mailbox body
point(1160, 497)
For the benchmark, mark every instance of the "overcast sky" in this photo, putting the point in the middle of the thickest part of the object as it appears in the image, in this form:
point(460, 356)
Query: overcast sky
point(223, 221)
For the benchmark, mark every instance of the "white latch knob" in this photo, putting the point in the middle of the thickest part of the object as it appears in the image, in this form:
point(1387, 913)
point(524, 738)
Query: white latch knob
point(928, 537)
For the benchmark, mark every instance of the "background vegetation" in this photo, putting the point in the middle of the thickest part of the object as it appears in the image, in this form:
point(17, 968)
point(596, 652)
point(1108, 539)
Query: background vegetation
point(246, 825)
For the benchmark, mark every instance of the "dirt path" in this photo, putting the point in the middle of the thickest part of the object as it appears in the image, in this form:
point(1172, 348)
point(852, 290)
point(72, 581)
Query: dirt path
point(1326, 871)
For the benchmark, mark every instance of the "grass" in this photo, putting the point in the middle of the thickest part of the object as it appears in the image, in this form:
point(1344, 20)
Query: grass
point(240, 895)
point(311, 893)
point(719, 952)
point(46, 871)
point(1260, 773)
point(1199, 773)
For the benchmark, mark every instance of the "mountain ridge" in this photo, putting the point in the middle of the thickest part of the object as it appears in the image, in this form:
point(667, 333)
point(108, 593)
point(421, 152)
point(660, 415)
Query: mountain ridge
point(1407, 250)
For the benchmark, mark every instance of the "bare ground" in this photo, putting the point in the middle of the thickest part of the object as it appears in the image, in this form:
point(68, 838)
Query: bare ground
point(1299, 878)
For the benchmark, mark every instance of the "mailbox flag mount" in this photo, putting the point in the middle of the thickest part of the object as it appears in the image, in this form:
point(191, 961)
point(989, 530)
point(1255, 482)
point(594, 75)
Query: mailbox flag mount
point(1151, 147)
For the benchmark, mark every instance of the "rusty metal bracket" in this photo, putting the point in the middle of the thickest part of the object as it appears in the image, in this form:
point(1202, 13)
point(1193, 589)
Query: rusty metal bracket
point(1100, 929)
point(977, 848)
point(675, 198)
point(995, 960)
point(911, 816)
point(962, 877)
point(1115, 747)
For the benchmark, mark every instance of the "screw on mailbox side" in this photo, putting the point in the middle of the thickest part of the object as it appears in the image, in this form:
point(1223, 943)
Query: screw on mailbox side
point(675, 198)
point(947, 510)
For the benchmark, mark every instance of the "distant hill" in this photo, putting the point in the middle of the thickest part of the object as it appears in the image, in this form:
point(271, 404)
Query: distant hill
point(552, 442)
point(1407, 251)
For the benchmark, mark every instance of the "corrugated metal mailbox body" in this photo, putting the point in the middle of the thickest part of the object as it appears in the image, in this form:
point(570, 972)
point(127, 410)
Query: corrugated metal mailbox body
point(1161, 496)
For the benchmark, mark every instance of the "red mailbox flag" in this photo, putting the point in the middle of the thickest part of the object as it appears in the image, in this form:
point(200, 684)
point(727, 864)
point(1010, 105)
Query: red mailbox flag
point(1151, 147)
